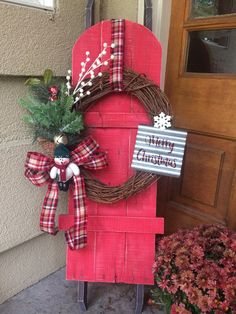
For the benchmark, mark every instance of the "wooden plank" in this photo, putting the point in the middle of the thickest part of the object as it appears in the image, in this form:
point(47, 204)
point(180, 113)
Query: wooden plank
point(139, 257)
point(120, 260)
point(109, 257)
point(117, 224)
point(81, 264)
point(115, 120)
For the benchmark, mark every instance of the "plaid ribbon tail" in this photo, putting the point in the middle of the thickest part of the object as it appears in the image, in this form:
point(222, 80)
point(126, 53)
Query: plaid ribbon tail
point(76, 236)
point(47, 217)
point(86, 154)
point(117, 64)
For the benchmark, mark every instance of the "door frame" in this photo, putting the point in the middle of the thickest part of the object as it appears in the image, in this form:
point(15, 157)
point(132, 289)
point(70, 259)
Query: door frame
point(161, 15)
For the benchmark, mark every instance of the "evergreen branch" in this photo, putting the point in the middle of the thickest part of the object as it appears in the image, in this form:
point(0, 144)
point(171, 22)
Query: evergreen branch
point(49, 112)
point(71, 124)
point(39, 92)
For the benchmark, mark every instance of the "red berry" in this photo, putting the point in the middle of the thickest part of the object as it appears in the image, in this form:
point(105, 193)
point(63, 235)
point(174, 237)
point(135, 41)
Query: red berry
point(53, 90)
point(53, 98)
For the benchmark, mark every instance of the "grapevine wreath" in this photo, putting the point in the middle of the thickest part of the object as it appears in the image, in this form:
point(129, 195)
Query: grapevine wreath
point(66, 122)
point(154, 102)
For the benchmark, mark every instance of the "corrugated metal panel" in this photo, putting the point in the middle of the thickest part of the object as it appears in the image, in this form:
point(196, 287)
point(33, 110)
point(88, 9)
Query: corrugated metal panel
point(159, 151)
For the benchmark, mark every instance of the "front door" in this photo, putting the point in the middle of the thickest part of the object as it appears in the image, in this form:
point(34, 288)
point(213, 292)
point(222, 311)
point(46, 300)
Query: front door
point(201, 85)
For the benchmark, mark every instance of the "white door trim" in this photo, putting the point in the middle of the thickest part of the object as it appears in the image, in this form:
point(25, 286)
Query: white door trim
point(160, 25)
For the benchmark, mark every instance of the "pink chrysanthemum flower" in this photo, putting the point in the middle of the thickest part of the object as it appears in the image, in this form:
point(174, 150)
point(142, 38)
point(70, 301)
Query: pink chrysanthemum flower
point(195, 270)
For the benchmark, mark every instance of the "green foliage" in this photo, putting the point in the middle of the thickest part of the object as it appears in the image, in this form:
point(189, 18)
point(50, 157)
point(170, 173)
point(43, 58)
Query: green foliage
point(47, 77)
point(202, 8)
point(32, 81)
point(162, 296)
point(39, 92)
point(50, 117)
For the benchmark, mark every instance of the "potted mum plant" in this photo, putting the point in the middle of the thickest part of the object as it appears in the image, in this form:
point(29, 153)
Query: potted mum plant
point(195, 271)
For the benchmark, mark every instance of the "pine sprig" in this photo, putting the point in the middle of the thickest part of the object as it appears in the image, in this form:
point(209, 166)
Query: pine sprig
point(71, 124)
point(51, 113)
point(39, 92)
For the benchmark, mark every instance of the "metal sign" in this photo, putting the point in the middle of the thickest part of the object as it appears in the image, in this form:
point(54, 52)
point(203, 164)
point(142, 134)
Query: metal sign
point(159, 151)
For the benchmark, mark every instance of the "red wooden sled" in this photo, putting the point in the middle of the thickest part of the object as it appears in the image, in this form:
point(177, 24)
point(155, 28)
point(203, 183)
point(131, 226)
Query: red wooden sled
point(121, 236)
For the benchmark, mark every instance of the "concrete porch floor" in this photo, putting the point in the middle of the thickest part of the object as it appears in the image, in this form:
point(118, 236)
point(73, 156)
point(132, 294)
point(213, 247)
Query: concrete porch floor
point(55, 295)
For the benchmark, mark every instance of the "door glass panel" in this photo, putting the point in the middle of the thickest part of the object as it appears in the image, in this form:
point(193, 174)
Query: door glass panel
point(204, 8)
point(212, 51)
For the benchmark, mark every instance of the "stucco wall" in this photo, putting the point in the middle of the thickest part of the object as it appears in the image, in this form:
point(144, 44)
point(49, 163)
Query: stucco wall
point(30, 41)
point(119, 9)
point(27, 263)
point(33, 39)
point(20, 200)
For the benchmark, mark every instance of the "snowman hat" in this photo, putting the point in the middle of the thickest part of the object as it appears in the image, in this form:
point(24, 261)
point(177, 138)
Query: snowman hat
point(61, 151)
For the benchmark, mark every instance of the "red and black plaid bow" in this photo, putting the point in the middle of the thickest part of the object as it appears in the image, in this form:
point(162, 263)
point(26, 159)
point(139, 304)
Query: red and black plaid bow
point(37, 171)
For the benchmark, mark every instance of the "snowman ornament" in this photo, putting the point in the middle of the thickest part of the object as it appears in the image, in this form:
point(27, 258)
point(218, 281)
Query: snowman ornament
point(63, 170)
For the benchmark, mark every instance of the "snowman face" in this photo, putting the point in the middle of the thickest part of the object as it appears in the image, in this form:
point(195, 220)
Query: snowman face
point(61, 160)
